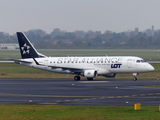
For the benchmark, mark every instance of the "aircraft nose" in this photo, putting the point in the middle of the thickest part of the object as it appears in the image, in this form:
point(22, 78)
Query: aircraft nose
point(150, 67)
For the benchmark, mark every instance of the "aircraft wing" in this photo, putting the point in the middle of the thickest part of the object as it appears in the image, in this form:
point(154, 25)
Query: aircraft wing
point(66, 68)
point(69, 69)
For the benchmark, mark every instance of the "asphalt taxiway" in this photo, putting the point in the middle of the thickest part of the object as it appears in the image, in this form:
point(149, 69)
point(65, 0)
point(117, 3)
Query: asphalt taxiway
point(115, 92)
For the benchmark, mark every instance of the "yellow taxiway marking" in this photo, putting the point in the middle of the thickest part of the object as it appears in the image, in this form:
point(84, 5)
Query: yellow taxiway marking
point(93, 81)
point(119, 96)
point(110, 97)
point(142, 94)
point(93, 98)
point(147, 97)
point(134, 95)
point(76, 99)
point(101, 97)
point(85, 99)
point(58, 101)
point(126, 96)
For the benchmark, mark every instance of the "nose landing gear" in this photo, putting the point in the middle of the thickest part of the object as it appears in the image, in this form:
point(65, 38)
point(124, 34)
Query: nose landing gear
point(135, 78)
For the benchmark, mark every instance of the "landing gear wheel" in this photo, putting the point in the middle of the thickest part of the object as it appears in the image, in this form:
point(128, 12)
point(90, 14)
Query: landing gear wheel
point(135, 79)
point(90, 79)
point(77, 78)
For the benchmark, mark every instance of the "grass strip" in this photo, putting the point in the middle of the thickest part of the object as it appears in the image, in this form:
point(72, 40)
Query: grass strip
point(57, 112)
point(144, 53)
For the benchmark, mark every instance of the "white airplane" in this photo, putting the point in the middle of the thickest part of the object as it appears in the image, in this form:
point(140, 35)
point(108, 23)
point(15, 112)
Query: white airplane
point(89, 67)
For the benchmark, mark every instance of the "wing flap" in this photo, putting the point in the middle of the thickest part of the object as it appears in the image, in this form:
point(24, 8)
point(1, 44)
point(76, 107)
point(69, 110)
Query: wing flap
point(55, 67)
point(70, 69)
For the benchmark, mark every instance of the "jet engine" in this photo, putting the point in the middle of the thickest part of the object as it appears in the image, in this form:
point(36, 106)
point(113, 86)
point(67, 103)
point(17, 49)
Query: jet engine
point(111, 75)
point(90, 73)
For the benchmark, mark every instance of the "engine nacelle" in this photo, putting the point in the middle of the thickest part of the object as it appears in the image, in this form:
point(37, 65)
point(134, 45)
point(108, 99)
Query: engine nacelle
point(90, 73)
point(111, 75)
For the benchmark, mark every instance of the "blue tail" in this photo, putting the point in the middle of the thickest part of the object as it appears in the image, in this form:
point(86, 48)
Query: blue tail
point(26, 48)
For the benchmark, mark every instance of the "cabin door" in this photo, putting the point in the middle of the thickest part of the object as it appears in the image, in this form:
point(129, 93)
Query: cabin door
point(129, 63)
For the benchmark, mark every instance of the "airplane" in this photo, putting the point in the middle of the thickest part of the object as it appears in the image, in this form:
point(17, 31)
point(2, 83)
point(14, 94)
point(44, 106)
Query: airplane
point(88, 66)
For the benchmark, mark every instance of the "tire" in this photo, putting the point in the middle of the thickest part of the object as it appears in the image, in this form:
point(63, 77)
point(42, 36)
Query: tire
point(77, 78)
point(135, 79)
point(90, 79)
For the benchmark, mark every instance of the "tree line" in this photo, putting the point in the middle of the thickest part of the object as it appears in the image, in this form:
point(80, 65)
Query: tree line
point(59, 39)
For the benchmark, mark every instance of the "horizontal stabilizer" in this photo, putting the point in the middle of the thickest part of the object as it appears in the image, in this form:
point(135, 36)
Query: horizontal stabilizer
point(18, 61)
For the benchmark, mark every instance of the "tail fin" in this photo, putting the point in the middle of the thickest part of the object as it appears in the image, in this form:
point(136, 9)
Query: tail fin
point(26, 48)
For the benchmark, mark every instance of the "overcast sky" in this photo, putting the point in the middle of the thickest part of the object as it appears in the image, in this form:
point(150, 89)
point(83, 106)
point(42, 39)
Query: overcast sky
point(71, 15)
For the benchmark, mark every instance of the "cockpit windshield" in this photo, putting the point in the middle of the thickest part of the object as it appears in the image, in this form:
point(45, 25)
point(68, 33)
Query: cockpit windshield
point(140, 61)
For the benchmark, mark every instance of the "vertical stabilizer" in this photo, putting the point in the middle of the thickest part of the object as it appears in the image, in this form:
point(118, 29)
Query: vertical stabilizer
point(26, 48)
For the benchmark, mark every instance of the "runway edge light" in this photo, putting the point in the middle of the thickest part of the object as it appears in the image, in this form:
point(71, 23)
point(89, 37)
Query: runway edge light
point(137, 106)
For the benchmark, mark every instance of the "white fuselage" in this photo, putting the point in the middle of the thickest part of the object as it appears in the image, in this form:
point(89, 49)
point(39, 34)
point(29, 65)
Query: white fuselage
point(103, 65)
point(89, 67)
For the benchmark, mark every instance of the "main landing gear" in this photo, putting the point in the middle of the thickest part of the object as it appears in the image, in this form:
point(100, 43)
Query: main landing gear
point(77, 78)
point(89, 79)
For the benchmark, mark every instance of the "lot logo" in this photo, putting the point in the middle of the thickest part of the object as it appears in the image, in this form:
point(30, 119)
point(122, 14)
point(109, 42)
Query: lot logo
point(116, 65)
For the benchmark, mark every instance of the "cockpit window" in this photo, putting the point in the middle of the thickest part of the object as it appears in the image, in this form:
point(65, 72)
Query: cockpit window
point(143, 61)
point(140, 61)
